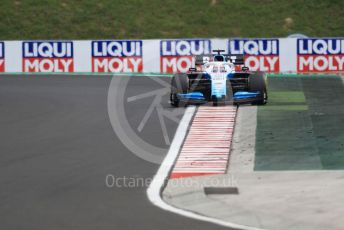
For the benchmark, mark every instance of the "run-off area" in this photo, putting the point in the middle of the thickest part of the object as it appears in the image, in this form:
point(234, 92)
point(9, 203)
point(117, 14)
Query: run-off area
point(301, 128)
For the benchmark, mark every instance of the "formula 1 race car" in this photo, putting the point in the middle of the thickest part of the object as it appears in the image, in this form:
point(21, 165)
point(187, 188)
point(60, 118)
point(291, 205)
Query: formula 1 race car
point(215, 79)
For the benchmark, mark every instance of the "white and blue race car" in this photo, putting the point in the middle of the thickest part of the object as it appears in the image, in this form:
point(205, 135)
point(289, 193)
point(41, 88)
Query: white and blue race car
point(215, 79)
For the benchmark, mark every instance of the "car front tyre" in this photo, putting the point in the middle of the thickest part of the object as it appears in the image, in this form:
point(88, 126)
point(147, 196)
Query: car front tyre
point(179, 84)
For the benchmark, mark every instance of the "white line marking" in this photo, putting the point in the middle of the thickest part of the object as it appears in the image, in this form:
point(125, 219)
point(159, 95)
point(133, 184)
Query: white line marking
point(158, 183)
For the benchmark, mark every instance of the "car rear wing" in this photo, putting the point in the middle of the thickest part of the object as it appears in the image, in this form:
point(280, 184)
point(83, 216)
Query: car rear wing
point(202, 59)
point(236, 59)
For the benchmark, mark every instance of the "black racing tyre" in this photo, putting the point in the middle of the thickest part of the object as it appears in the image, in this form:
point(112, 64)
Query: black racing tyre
point(257, 83)
point(179, 84)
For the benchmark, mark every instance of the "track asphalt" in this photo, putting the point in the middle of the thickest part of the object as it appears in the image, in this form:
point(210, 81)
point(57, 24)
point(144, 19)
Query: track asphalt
point(57, 146)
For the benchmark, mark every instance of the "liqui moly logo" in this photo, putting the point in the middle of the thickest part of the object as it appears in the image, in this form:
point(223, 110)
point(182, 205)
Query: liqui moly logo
point(2, 57)
point(260, 54)
point(320, 55)
point(48, 56)
point(117, 56)
point(177, 55)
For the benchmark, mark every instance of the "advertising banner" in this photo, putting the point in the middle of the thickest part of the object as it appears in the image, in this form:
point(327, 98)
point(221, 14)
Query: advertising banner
point(177, 55)
point(271, 55)
point(117, 56)
point(320, 55)
point(47, 56)
point(260, 54)
point(2, 57)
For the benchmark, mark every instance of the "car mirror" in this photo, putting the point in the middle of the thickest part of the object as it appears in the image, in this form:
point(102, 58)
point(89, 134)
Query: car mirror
point(244, 68)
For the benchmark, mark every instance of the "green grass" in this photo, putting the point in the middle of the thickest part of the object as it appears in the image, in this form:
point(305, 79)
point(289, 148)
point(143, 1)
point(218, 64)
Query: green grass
point(287, 96)
point(91, 19)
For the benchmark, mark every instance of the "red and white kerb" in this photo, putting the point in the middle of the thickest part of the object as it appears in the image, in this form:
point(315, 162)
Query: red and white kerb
point(207, 145)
